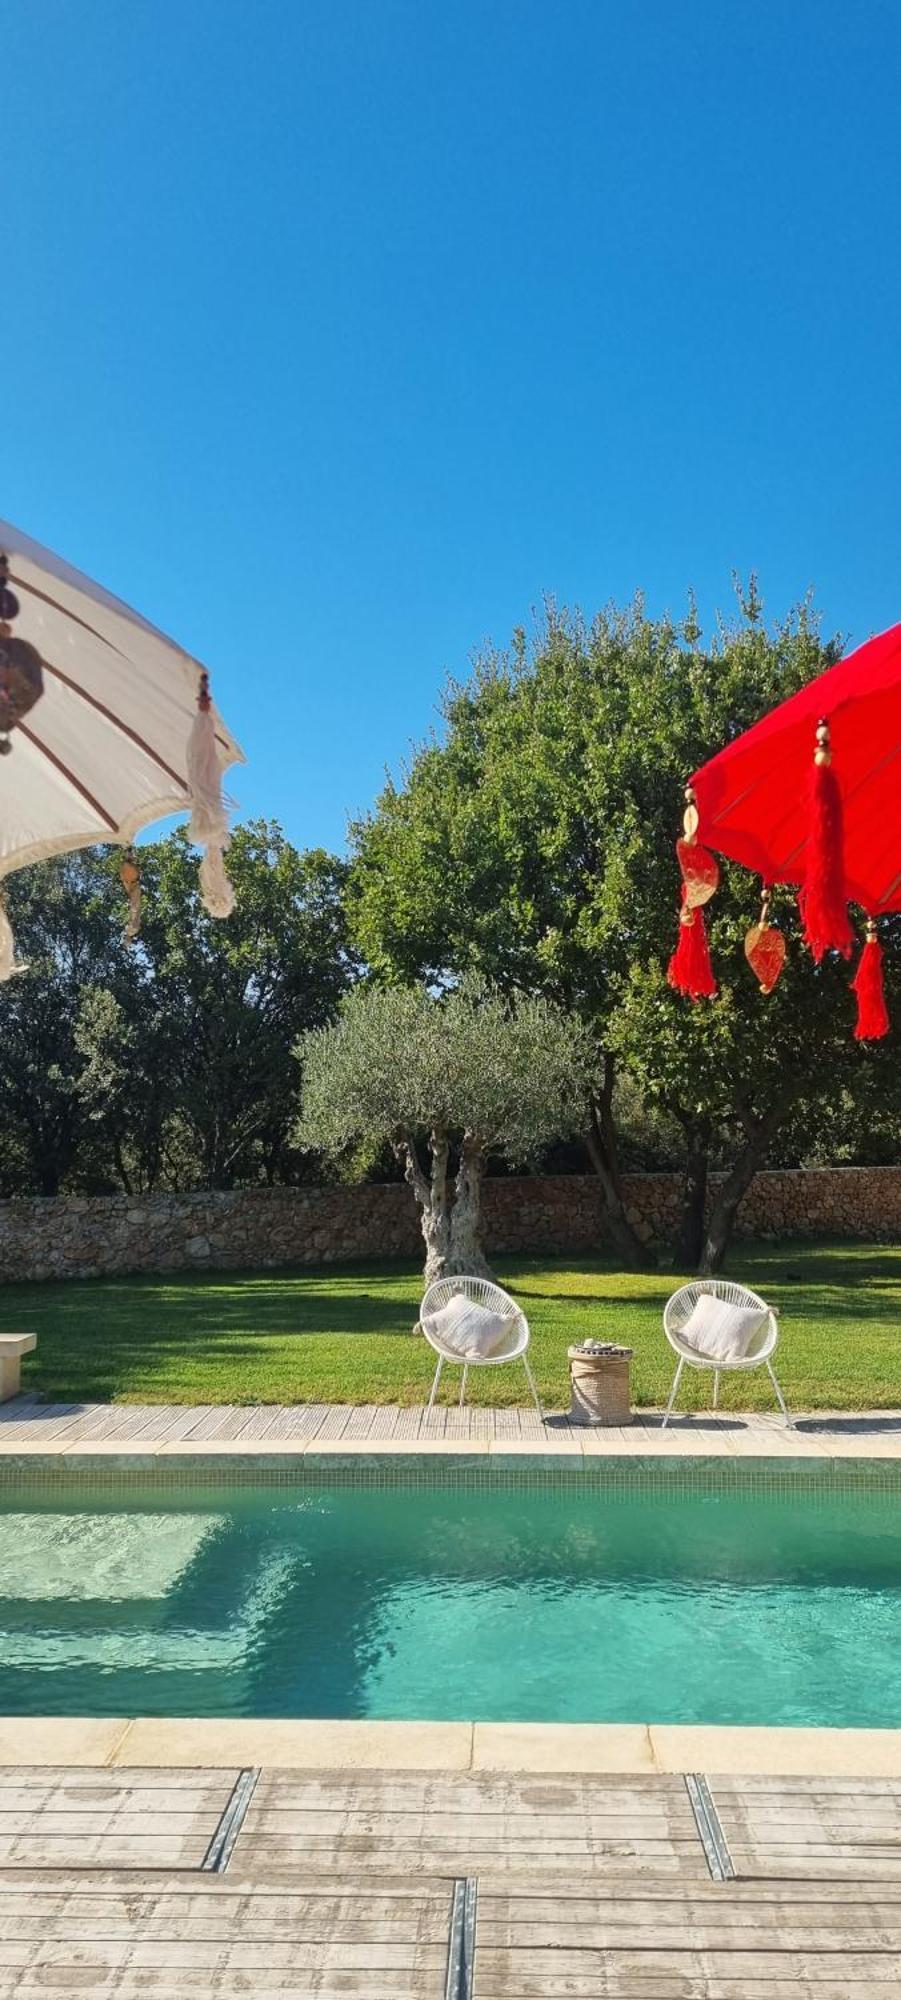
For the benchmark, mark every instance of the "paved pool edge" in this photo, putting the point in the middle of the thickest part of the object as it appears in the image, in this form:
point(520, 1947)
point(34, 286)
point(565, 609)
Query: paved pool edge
point(344, 1433)
point(149, 1742)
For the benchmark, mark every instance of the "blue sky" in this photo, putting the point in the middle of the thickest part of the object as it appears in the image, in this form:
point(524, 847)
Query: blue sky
point(336, 333)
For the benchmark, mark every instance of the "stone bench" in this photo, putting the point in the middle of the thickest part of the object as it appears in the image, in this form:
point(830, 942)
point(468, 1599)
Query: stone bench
point(12, 1348)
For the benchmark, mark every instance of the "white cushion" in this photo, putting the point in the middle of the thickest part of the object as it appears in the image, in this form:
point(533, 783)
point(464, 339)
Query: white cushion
point(719, 1331)
point(470, 1329)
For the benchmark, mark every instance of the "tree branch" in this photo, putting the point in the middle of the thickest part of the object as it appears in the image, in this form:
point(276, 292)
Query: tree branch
point(440, 1148)
point(404, 1149)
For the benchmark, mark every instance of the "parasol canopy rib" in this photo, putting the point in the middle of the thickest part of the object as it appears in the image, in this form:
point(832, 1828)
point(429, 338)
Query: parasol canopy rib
point(104, 752)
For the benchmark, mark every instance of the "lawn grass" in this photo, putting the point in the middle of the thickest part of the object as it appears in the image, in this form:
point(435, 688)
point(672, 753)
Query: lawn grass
point(345, 1333)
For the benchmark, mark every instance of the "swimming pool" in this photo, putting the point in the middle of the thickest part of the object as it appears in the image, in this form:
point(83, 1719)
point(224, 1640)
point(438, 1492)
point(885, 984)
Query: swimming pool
point(693, 1597)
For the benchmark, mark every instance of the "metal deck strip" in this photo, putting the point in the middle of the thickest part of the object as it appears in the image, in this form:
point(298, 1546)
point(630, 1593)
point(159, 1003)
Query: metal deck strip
point(469, 1937)
point(707, 1821)
point(461, 1948)
point(219, 1852)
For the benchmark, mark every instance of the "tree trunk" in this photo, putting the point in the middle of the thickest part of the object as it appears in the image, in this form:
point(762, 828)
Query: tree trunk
point(737, 1182)
point(431, 1197)
point(466, 1254)
point(690, 1240)
point(600, 1145)
point(121, 1168)
point(48, 1173)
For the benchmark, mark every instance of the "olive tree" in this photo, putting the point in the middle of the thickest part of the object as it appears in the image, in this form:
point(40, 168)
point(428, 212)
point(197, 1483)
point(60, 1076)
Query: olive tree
point(448, 1081)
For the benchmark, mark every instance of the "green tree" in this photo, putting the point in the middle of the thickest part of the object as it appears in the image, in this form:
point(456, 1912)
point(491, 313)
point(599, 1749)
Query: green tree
point(124, 1044)
point(732, 1075)
point(534, 843)
point(67, 919)
point(470, 1075)
point(236, 993)
point(167, 1062)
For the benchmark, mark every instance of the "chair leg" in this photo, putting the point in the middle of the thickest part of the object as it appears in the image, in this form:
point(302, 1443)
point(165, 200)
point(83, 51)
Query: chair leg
point(535, 1396)
point(779, 1396)
point(436, 1380)
point(716, 1388)
point(673, 1393)
point(463, 1386)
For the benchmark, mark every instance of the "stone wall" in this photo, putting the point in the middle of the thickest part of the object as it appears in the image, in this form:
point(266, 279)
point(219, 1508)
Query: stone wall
point(81, 1236)
point(565, 1213)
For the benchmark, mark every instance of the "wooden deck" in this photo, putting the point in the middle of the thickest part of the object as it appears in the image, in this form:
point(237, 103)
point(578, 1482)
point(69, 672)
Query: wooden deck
point(165, 1429)
point(493, 1885)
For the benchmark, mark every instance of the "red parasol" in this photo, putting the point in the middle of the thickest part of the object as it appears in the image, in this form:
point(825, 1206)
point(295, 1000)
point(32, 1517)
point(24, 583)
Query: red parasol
point(811, 795)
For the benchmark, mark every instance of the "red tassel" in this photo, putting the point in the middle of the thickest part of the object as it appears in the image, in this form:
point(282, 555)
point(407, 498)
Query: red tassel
point(689, 970)
point(872, 1013)
point(823, 900)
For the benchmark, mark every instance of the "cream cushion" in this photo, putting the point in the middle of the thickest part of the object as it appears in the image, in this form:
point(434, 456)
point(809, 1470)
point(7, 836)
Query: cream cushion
point(472, 1330)
point(719, 1331)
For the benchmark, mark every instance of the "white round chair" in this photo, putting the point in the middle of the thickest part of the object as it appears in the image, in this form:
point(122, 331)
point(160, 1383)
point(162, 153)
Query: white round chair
point(512, 1343)
point(678, 1311)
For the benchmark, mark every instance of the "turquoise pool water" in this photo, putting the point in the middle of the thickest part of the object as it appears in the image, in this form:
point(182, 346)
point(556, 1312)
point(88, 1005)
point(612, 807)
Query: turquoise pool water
point(516, 1602)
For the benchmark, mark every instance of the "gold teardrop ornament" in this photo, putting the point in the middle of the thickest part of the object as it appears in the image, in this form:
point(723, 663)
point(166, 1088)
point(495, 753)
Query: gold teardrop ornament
point(700, 873)
point(765, 951)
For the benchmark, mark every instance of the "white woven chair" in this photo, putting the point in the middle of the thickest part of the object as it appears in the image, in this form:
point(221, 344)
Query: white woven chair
point(678, 1310)
point(512, 1347)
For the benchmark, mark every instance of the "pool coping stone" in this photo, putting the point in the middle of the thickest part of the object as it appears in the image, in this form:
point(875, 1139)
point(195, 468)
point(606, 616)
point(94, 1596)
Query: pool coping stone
point(637, 1749)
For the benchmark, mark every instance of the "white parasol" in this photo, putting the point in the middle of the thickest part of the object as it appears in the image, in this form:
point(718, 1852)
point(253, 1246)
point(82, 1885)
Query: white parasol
point(109, 724)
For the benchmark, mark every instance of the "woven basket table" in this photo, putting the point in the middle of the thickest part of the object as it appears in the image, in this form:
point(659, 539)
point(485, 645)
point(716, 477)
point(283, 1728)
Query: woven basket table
point(600, 1386)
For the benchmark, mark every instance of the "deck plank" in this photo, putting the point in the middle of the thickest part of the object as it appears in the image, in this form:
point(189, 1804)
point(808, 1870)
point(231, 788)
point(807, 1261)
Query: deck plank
point(212, 1939)
point(298, 1420)
point(334, 1423)
point(340, 1884)
point(824, 1832)
point(110, 1823)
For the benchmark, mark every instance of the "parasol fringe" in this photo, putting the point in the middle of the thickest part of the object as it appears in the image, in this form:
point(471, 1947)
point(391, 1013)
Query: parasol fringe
point(130, 878)
point(690, 971)
point(133, 926)
point(8, 965)
point(823, 899)
point(209, 813)
point(216, 886)
point(872, 1013)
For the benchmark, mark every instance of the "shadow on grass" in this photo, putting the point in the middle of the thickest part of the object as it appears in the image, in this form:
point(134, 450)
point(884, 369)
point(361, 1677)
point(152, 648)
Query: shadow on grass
point(260, 1335)
point(102, 1338)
